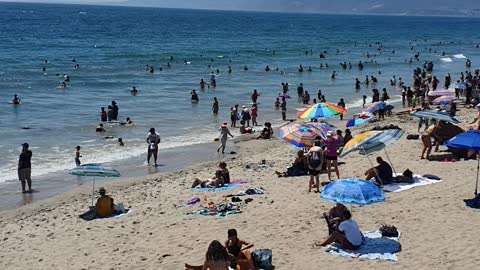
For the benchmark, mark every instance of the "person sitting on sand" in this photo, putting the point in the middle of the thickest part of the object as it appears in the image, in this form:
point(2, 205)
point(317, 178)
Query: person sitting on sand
point(347, 233)
point(245, 130)
point(104, 207)
point(299, 166)
point(216, 182)
point(225, 172)
point(333, 216)
point(269, 126)
point(237, 248)
point(382, 173)
point(265, 134)
point(217, 258)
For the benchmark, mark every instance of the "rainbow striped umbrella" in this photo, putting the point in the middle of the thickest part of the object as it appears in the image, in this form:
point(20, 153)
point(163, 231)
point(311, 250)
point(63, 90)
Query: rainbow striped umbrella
point(323, 128)
point(299, 135)
point(358, 141)
point(442, 100)
point(321, 110)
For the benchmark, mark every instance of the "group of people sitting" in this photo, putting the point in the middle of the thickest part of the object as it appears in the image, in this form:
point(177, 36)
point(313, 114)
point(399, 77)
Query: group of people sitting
point(233, 255)
point(342, 229)
point(222, 177)
point(266, 133)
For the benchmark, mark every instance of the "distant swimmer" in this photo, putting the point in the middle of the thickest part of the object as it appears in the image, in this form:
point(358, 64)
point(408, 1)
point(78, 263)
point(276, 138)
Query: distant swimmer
point(168, 64)
point(218, 70)
point(120, 142)
point(152, 70)
point(334, 74)
point(63, 85)
point(194, 96)
point(309, 69)
point(202, 84)
point(215, 106)
point(300, 68)
point(245, 68)
point(16, 100)
point(77, 66)
point(267, 68)
point(44, 69)
point(134, 91)
point(357, 84)
point(229, 70)
point(171, 58)
point(74, 60)
point(128, 122)
point(213, 76)
point(66, 78)
point(100, 128)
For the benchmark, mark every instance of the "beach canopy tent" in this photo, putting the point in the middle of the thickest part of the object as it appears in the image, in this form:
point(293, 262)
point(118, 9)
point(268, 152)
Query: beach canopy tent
point(321, 111)
point(94, 170)
point(469, 140)
point(352, 191)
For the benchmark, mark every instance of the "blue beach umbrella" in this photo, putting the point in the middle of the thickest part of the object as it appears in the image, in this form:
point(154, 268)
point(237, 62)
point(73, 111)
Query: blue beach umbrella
point(358, 120)
point(94, 170)
point(429, 114)
point(352, 191)
point(469, 140)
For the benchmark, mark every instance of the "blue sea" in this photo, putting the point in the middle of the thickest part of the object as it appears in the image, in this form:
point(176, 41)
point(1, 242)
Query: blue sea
point(112, 46)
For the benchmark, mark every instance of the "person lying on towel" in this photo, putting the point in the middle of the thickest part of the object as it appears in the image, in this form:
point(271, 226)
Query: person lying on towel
point(382, 173)
point(347, 233)
point(215, 182)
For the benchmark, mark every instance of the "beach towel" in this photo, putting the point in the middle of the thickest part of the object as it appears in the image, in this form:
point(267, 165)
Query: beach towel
point(90, 215)
point(375, 247)
point(220, 210)
point(418, 180)
point(250, 191)
point(229, 186)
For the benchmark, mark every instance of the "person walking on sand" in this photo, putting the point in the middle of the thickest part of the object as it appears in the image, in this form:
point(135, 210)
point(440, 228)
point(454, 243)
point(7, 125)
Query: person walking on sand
point(153, 139)
point(78, 156)
point(224, 133)
point(25, 168)
point(331, 155)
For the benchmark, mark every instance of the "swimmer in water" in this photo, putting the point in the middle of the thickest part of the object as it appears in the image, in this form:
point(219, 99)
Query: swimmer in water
point(134, 91)
point(194, 96)
point(245, 68)
point(16, 100)
point(202, 84)
point(120, 142)
point(100, 128)
point(229, 70)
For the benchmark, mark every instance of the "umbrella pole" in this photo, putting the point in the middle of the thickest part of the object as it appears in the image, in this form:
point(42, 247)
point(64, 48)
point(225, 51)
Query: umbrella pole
point(381, 182)
point(476, 184)
point(386, 153)
point(93, 189)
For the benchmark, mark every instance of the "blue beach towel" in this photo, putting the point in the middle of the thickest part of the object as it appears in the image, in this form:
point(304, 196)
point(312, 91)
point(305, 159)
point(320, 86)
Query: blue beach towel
point(232, 185)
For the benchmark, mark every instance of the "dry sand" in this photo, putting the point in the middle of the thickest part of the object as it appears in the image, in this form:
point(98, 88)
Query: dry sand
point(438, 231)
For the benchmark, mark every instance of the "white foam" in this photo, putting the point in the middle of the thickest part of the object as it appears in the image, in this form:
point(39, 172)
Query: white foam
point(446, 59)
point(459, 56)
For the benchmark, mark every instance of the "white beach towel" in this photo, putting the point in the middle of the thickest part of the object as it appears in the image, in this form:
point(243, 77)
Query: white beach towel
point(375, 247)
point(418, 181)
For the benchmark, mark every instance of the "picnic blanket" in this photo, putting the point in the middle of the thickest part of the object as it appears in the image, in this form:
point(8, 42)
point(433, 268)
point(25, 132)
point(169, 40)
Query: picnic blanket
point(375, 247)
point(229, 186)
point(418, 181)
point(91, 215)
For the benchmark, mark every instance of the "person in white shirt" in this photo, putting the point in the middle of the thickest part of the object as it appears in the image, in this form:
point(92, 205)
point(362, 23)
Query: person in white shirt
point(153, 139)
point(347, 234)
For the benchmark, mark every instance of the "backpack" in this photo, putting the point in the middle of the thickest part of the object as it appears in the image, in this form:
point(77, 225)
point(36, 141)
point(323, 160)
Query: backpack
point(315, 160)
point(262, 259)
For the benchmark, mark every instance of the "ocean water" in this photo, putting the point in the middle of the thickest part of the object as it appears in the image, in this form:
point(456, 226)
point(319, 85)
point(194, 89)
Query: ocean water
point(112, 45)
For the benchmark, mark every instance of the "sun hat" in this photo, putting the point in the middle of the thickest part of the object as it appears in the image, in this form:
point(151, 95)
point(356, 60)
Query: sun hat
point(329, 134)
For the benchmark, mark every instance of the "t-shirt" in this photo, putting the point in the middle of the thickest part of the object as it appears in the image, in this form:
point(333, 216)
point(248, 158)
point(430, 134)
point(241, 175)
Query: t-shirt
point(351, 231)
point(332, 148)
point(153, 138)
point(25, 158)
point(385, 172)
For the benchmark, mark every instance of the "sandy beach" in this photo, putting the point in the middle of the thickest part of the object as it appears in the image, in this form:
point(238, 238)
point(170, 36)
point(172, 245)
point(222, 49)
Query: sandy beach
point(438, 230)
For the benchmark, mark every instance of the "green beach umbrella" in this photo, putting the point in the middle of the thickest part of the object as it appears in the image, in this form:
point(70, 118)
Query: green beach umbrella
point(94, 170)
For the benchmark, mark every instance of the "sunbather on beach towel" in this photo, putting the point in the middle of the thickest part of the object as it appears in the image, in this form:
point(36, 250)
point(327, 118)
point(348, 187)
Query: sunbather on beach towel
point(334, 216)
point(382, 173)
point(104, 207)
point(299, 166)
point(216, 182)
point(347, 233)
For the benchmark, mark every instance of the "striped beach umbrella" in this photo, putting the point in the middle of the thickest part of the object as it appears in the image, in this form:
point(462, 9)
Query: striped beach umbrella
point(379, 142)
point(321, 111)
point(358, 141)
point(299, 135)
point(323, 128)
point(441, 92)
point(375, 107)
point(442, 100)
point(94, 170)
point(429, 114)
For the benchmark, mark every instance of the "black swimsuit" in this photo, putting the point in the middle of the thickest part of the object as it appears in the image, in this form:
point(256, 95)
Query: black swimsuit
point(234, 249)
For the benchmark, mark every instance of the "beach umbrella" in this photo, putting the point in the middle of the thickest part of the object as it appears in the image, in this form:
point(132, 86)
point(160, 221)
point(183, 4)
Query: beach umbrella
point(442, 100)
point(441, 92)
point(352, 191)
point(469, 140)
point(321, 110)
point(381, 141)
point(323, 128)
point(463, 85)
point(358, 141)
point(299, 135)
point(358, 120)
point(283, 96)
point(94, 170)
point(435, 115)
point(375, 107)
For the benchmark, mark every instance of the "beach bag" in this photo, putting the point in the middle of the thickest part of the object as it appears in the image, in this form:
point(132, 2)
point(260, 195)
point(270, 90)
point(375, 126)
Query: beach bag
point(262, 259)
point(388, 231)
point(413, 136)
point(315, 160)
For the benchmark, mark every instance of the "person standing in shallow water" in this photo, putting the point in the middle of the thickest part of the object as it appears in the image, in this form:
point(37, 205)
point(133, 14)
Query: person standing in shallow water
point(25, 168)
point(215, 106)
point(284, 109)
point(153, 139)
point(224, 133)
